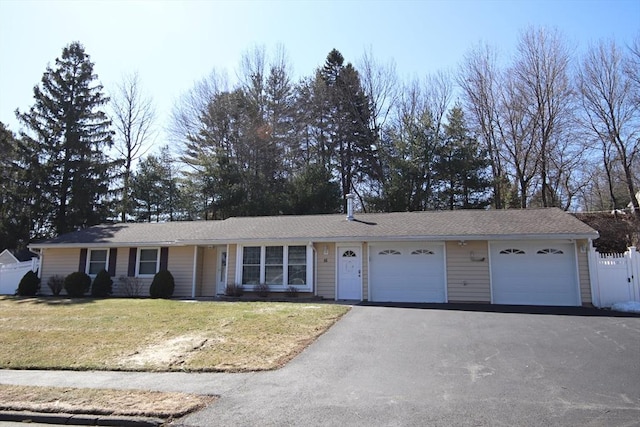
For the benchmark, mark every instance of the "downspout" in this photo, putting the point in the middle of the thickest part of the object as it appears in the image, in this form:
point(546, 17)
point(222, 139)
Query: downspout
point(315, 270)
point(39, 262)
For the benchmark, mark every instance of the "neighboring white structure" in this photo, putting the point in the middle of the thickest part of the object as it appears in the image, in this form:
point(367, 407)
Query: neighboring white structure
point(615, 278)
point(12, 271)
point(630, 205)
point(7, 258)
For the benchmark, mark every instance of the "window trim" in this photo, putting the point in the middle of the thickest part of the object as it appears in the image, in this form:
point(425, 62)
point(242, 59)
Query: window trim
point(88, 261)
point(138, 259)
point(309, 259)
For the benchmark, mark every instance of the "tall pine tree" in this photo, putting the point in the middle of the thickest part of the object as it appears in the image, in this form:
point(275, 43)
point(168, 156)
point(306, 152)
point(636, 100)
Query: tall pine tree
point(462, 167)
point(18, 195)
point(68, 133)
point(348, 123)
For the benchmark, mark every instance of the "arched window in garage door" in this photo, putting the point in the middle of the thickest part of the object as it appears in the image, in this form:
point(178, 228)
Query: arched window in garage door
point(512, 251)
point(549, 251)
point(422, 252)
point(389, 252)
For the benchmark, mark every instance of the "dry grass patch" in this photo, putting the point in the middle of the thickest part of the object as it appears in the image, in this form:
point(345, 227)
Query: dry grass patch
point(100, 401)
point(158, 335)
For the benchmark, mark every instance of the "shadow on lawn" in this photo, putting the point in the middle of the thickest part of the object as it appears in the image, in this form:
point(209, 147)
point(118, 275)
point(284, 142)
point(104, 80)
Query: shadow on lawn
point(497, 308)
point(48, 300)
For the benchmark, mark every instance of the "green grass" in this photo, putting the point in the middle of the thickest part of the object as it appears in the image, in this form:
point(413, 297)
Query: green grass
point(157, 335)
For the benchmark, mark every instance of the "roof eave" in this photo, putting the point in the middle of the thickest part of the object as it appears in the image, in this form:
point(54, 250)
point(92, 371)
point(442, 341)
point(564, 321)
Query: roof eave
point(104, 244)
point(324, 239)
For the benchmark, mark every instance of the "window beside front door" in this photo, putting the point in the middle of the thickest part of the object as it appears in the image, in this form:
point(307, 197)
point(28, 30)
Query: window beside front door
point(275, 265)
point(297, 266)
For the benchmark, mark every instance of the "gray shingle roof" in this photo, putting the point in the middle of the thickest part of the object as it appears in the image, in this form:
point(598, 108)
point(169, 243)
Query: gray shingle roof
point(438, 225)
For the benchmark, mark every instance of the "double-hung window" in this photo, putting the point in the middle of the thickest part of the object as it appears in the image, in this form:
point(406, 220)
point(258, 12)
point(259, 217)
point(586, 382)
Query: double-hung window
point(97, 260)
point(275, 265)
point(297, 266)
point(148, 261)
point(251, 265)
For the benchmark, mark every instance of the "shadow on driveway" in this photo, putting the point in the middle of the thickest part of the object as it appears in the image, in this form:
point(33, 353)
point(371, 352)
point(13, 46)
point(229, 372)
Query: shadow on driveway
point(497, 308)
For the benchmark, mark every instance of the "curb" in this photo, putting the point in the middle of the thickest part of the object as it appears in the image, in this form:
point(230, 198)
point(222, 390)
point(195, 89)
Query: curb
point(79, 419)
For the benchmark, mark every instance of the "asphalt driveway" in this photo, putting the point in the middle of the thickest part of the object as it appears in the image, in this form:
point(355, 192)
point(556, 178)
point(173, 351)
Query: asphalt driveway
point(408, 366)
point(425, 366)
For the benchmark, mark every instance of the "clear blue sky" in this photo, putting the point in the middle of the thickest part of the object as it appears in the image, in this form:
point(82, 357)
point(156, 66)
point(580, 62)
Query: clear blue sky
point(172, 44)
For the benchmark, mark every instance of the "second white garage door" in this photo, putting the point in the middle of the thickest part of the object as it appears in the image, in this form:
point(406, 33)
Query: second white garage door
point(534, 273)
point(403, 272)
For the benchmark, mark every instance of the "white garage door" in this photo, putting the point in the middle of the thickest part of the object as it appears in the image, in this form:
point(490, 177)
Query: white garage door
point(534, 273)
point(407, 273)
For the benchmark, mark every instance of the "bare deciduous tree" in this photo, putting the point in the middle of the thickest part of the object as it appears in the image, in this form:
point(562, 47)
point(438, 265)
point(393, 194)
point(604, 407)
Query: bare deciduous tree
point(541, 70)
point(188, 111)
point(380, 83)
point(134, 118)
point(609, 97)
point(479, 80)
point(517, 148)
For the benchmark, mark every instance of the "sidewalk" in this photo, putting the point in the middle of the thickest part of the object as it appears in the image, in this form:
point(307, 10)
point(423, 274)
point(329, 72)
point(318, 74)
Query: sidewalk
point(182, 382)
point(196, 383)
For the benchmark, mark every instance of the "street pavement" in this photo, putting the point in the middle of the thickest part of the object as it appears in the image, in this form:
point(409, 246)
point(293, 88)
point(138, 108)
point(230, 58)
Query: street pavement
point(423, 365)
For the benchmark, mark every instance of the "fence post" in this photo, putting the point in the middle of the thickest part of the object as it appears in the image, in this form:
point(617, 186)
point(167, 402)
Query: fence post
point(593, 275)
point(633, 269)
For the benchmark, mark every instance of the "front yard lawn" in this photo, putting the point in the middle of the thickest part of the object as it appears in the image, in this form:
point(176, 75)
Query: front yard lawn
point(157, 335)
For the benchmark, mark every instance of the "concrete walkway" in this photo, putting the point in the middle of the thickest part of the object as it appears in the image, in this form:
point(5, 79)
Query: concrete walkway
point(411, 366)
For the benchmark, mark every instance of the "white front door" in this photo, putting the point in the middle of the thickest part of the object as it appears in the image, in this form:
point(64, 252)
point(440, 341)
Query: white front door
point(349, 273)
point(221, 281)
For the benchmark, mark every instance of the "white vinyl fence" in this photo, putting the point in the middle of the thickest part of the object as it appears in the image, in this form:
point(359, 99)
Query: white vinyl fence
point(11, 274)
point(614, 277)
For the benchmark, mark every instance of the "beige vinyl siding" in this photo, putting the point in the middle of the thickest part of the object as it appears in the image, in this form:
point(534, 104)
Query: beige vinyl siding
point(209, 270)
point(326, 271)
point(468, 279)
point(61, 262)
point(199, 260)
point(122, 270)
point(122, 263)
point(181, 267)
point(231, 264)
point(583, 272)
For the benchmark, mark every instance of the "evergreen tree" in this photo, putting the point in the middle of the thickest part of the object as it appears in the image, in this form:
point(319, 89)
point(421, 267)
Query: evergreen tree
point(155, 188)
point(409, 153)
point(68, 133)
point(348, 123)
point(313, 191)
point(147, 189)
point(17, 196)
point(462, 166)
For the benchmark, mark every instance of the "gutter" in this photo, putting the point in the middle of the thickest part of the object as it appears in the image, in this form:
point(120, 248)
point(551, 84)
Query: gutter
point(325, 239)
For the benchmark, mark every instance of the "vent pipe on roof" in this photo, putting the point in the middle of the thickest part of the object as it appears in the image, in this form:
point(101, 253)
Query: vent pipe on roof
point(350, 198)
